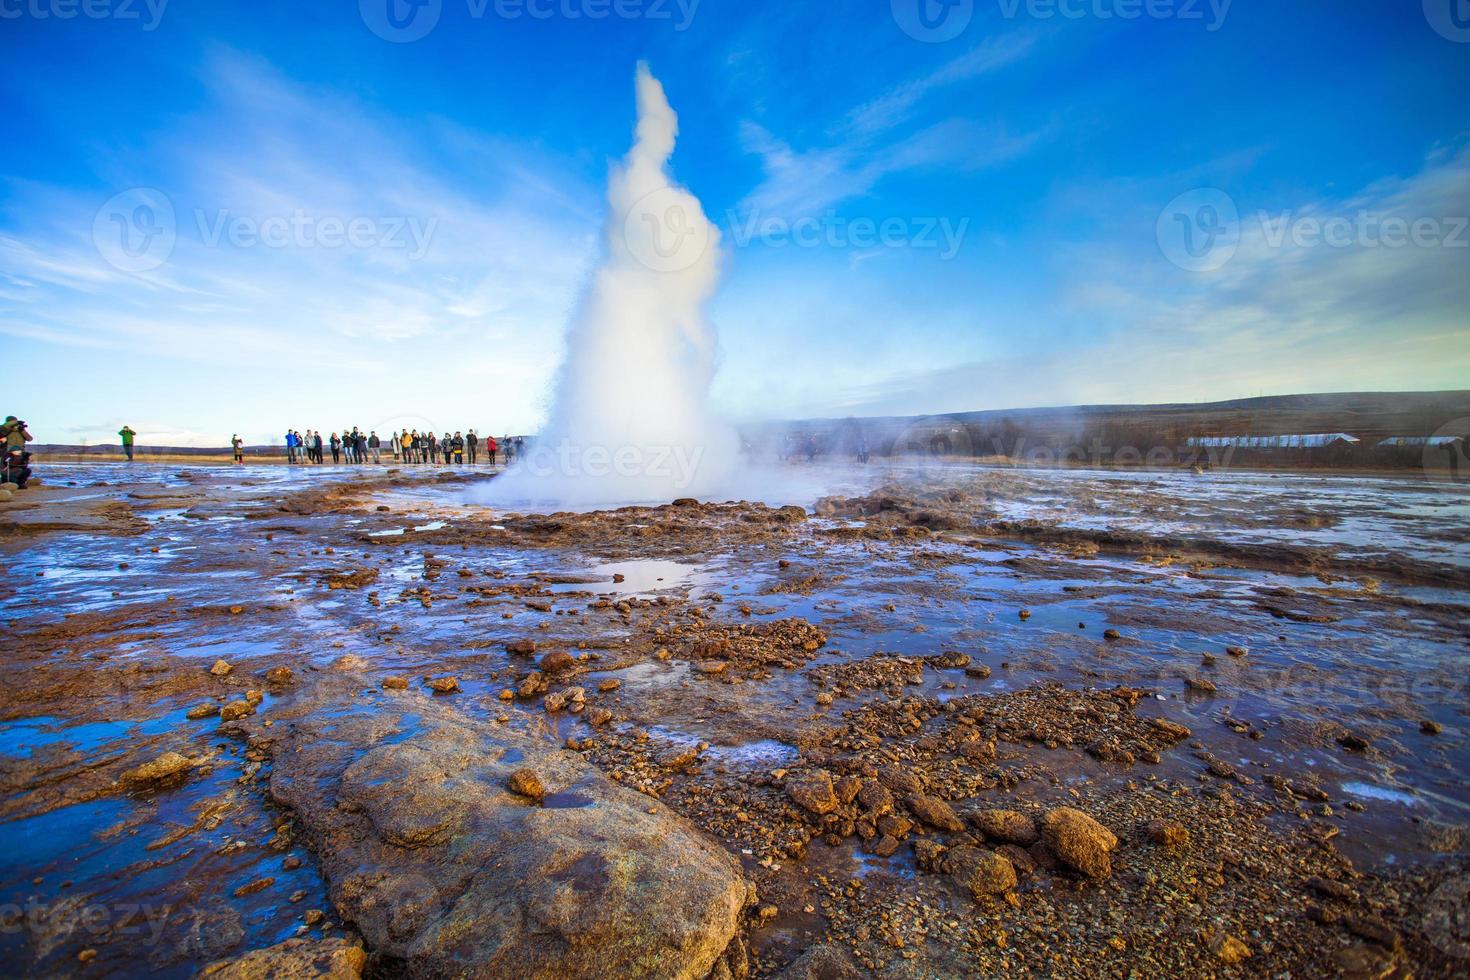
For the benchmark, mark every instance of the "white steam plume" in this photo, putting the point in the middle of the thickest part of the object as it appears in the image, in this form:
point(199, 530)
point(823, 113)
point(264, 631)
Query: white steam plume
point(629, 421)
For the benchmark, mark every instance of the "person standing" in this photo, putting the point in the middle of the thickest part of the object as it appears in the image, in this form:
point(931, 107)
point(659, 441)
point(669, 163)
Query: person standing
point(375, 446)
point(490, 447)
point(458, 449)
point(126, 433)
point(238, 445)
point(471, 444)
point(290, 446)
point(316, 445)
point(446, 447)
point(336, 444)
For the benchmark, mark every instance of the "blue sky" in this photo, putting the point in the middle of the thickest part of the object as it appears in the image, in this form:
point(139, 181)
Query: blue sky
point(1080, 203)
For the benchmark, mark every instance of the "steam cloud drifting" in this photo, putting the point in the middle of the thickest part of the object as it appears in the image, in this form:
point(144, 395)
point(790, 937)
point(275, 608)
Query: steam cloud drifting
point(629, 421)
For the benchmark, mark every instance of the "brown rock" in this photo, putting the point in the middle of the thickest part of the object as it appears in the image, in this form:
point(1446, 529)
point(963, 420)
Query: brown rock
point(1079, 841)
point(236, 709)
point(886, 846)
point(169, 766)
point(279, 675)
point(294, 959)
point(444, 685)
point(1006, 826)
point(1229, 950)
point(875, 798)
point(521, 648)
point(525, 782)
point(1167, 833)
point(395, 683)
point(982, 872)
point(935, 812)
point(813, 792)
point(220, 669)
point(206, 710)
point(900, 780)
point(557, 662)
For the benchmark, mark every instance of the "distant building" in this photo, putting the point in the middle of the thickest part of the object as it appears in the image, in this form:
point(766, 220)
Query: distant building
point(1422, 442)
point(1317, 440)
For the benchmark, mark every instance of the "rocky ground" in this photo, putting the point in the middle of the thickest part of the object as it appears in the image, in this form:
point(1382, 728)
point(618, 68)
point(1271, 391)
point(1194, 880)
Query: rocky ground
point(936, 723)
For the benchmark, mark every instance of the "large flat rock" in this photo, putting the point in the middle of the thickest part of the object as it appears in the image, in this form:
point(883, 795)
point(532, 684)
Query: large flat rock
point(442, 868)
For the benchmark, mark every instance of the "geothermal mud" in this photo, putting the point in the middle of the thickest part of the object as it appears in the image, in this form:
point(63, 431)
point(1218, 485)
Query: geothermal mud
point(945, 722)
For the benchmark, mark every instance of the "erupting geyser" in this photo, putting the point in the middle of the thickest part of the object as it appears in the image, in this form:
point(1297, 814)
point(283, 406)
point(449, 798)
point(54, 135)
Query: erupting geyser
point(629, 421)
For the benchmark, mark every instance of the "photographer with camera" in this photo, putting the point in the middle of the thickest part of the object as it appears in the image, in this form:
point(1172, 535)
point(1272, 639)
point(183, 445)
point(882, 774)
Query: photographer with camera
point(16, 463)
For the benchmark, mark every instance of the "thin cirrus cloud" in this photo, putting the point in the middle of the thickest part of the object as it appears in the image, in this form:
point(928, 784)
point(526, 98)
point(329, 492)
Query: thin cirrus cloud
point(870, 142)
point(445, 256)
point(1277, 318)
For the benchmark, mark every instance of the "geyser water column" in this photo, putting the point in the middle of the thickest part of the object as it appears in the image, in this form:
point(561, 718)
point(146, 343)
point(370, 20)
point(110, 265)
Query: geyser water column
point(629, 421)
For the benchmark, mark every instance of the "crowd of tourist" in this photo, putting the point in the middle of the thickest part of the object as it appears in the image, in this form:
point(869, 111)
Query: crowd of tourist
point(408, 446)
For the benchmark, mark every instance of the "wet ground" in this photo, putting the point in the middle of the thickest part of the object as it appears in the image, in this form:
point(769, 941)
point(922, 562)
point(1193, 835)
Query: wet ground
point(1312, 634)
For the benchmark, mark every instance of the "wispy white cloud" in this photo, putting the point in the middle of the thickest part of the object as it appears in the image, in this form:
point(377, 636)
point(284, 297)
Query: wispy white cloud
point(471, 242)
point(1277, 318)
point(872, 141)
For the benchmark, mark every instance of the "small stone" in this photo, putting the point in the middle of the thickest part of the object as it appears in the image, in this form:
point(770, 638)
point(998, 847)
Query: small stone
point(207, 710)
point(1006, 826)
point(982, 872)
point(1236, 651)
point(395, 683)
point(220, 668)
point(521, 648)
point(444, 685)
point(1167, 833)
point(278, 675)
point(1430, 727)
point(169, 765)
point(236, 710)
point(813, 792)
point(313, 916)
point(1229, 950)
point(525, 782)
point(935, 812)
point(1353, 742)
point(557, 662)
point(1079, 841)
point(1111, 634)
